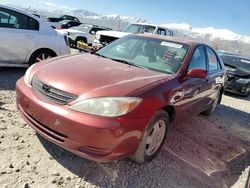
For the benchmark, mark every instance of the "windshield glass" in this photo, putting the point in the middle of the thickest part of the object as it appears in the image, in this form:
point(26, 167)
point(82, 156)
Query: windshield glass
point(155, 54)
point(83, 27)
point(65, 21)
point(134, 28)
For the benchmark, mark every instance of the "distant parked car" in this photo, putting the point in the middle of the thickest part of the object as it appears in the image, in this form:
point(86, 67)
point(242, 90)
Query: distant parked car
point(25, 39)
point(123, 100)
point(64, 24)
point(84, 33)
point(238, 69)
point(63, 17)
point(105, 37)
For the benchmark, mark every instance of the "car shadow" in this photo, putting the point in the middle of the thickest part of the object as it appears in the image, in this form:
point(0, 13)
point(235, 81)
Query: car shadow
point(9, 77)
point(203, 152)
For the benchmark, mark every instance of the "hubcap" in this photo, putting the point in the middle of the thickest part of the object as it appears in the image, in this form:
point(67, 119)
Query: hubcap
point(155, 137)
point(42, 57)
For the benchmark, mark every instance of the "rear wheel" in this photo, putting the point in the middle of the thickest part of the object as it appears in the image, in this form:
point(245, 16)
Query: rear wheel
point(41, 55)
point(153, 138)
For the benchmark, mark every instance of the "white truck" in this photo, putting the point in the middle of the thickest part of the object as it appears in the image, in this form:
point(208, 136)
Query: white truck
point(103, 38)
point(84, 33)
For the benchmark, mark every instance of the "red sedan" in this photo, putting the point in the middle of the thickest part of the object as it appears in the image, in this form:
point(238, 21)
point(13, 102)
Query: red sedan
point(123, 100)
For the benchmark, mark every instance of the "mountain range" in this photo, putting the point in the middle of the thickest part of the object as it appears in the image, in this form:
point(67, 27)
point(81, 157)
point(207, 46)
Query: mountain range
point(220, 39)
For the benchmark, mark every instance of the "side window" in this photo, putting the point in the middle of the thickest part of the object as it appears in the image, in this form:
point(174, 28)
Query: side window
point(15, 20)
point(33, 24)
point(93, 31)
point(199, 59)
point(161, 31)
point(213, 63)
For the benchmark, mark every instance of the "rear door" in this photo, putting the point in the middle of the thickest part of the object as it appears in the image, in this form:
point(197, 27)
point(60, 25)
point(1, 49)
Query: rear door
point(18, 35)
point(215, 78)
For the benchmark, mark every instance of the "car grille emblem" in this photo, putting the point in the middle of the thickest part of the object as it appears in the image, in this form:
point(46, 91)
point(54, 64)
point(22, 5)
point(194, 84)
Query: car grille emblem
point(46, 88)
point(57, 122)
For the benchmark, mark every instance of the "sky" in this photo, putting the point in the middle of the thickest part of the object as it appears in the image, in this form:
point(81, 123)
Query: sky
point(220, 14)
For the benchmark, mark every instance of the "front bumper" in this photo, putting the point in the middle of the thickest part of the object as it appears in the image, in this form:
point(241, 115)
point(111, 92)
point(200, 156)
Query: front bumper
point(92, 137)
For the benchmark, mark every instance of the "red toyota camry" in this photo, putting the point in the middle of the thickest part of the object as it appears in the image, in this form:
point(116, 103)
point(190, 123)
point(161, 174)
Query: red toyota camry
point(123, 100)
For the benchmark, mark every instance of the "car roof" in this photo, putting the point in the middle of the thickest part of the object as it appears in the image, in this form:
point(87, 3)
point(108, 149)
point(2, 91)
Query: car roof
point(147, 24)
point(20, 11)
point(170, 38)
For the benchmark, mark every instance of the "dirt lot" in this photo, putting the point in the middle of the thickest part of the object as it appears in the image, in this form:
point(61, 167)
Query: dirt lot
point(203, 152)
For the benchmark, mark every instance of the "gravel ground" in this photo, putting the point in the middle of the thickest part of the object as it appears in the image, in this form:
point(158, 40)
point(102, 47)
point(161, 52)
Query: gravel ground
point(203, 152)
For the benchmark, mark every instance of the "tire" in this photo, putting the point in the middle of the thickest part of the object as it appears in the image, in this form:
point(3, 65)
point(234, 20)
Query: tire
point(83, 39)
point(41, 55)
point(211, 109)
point(150, 144)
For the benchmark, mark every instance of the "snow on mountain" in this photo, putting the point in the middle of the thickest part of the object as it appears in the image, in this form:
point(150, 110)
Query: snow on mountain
point(114, 21)
point(209, 33)
point(221, 39)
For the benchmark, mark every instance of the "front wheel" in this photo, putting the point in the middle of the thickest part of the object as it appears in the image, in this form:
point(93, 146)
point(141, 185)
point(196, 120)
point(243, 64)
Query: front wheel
point(153, 138)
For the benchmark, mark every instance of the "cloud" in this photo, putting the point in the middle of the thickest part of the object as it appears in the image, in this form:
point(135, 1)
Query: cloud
point(47, 3)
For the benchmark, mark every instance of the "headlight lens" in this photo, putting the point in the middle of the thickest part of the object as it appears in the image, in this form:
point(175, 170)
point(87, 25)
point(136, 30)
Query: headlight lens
point(107, 106)
point(245, 81)
point(27, 75)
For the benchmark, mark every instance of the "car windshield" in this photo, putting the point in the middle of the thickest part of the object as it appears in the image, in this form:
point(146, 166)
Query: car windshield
point(65, 21)
point(83, 27)
point(150, 53)
point(134, 28)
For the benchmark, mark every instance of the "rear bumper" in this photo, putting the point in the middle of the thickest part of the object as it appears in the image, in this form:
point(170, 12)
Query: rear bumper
point(95, 138)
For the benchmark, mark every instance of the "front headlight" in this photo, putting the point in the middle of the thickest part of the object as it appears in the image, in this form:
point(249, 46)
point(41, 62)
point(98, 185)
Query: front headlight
point(27, 75)
point(244, 81)
point(107, 106)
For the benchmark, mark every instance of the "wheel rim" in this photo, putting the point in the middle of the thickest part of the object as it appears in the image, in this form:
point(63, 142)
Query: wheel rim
point(155, 137)
point(42, 57)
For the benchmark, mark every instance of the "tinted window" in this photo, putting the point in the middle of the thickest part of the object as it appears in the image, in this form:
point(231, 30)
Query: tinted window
point(199, 59)
point(134, 28)
point(94, 30)
point(12, 19)
point(213, 63)
point(161, 32)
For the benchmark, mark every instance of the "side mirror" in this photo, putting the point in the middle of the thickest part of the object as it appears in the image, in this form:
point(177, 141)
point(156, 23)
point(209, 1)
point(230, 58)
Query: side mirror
point(197, 73)
point(92, 32)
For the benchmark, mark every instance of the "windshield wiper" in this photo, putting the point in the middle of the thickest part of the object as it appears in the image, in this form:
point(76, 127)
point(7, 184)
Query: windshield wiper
point(128, 63)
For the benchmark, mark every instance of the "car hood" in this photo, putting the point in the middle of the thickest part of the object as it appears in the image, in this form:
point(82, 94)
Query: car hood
point(72, 31)
point(239, 72)
point(116, 34)
point(92, 76)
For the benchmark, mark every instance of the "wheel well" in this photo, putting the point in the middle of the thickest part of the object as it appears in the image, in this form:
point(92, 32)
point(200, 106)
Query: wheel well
point(42, 50)
point(171, 112)
point(81, 38)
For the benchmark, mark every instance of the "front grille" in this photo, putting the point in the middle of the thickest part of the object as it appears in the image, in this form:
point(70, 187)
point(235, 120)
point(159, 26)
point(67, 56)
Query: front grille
point(52, 94)
point(104, 40)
